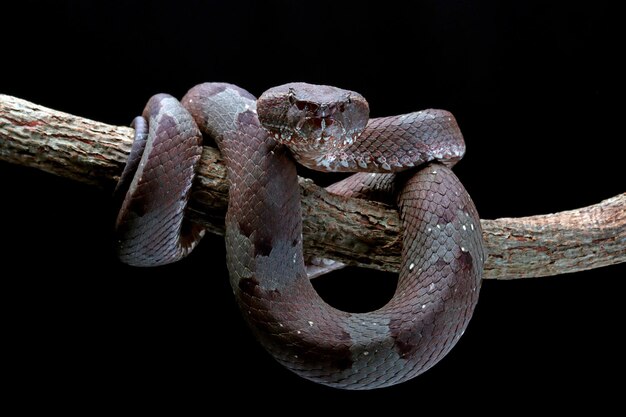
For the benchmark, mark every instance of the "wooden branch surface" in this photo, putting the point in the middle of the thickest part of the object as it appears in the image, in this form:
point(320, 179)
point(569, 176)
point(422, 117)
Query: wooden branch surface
point(356, 232)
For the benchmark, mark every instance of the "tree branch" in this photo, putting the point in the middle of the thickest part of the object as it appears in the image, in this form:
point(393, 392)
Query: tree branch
point(353, 231)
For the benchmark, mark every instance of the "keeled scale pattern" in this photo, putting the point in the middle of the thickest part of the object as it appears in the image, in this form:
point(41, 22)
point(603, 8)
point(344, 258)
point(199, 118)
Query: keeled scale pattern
point(439, 278)
point(150, 226)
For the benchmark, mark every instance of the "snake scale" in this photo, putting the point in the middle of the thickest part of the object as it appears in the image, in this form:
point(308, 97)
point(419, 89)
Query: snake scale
point(327, 129)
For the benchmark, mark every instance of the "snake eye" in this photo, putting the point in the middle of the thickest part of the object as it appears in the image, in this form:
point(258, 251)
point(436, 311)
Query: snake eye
point(291, 96)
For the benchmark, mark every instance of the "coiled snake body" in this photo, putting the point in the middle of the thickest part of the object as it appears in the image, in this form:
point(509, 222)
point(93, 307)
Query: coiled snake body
point(326, 129)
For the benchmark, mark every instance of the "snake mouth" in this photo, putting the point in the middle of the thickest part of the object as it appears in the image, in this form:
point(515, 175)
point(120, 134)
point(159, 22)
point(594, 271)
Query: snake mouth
point(311, 130)
point(320, 129)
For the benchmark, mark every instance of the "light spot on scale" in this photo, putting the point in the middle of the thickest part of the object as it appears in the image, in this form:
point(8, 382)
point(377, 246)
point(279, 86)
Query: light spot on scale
point(366, 353)
point(472, 226)
point(310, 323)
point(411, 267)
point(463, 249)
point(423, 306)
point(432, 286)
point(464, 228)
point(298, 332)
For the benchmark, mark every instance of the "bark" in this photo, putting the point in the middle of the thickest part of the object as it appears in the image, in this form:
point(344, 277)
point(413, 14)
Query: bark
point(355, 232)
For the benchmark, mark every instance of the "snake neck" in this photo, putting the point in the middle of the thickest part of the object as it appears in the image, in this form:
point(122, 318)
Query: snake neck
point(387, 145)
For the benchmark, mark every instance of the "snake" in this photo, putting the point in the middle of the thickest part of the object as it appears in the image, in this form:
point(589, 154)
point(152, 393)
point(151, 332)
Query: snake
point(327, 129)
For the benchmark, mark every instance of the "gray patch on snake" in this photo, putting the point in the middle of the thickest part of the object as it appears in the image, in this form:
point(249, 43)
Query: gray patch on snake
point(213, 89)
point(372, 350)
point(284, 257)
point(224, 109)
point(240, 261)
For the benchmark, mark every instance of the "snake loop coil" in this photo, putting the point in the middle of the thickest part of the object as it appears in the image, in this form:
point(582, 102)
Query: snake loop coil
point(327, 129)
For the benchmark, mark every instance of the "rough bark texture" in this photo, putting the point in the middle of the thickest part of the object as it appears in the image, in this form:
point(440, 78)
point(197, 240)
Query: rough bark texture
point(353, 231)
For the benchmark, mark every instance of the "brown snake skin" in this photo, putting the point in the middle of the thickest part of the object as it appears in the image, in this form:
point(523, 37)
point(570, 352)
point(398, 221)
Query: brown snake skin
point(442, 255)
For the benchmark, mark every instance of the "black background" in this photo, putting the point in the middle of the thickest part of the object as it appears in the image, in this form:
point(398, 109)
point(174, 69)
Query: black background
point(535, 86)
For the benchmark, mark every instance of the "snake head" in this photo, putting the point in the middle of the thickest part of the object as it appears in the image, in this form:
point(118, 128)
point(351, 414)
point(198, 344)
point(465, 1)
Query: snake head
point(312, 116)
